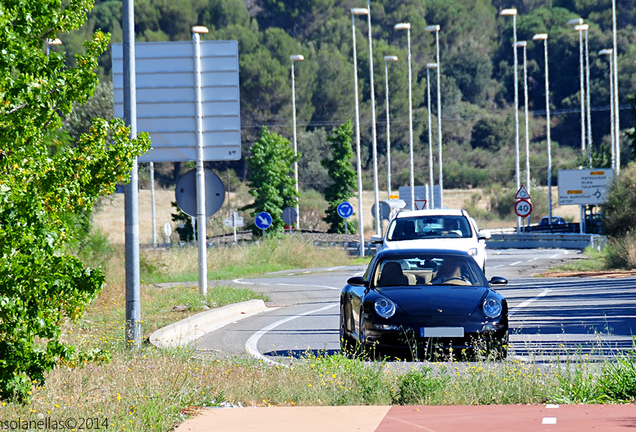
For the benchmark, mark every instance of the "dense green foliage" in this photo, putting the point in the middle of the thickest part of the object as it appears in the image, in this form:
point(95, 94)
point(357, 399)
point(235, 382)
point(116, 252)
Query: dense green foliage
point(342, 174)
point(48, 186)
point(270, 163)
point(476, 67)
point(618, 211)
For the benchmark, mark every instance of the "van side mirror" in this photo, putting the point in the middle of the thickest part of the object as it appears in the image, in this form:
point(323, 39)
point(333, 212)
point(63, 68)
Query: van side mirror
point(377, 239)
point(483, 235)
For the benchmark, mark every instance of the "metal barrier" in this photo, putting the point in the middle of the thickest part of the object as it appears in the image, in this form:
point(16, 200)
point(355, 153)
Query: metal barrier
point(546, 241)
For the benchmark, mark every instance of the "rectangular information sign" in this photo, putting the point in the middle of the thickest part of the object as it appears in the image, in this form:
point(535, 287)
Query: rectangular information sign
point(166, 98)
point(585, 186)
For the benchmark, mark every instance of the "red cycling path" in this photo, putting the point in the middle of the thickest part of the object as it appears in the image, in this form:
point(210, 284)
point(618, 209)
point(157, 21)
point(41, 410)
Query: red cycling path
point(482, 418)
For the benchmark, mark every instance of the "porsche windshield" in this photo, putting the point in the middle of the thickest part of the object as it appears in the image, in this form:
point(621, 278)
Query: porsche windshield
point(428, 227)
point(428, 270)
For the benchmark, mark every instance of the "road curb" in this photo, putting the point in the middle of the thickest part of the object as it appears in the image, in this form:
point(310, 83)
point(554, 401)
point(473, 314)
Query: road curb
point(187, 330)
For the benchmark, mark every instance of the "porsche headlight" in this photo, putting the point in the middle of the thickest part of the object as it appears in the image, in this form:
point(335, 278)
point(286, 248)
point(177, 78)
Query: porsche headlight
point(492, 307)
point(384, 307)
point(472, 251)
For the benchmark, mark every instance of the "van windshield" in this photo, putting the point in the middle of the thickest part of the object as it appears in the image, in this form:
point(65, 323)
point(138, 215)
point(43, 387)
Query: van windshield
point(428, 227)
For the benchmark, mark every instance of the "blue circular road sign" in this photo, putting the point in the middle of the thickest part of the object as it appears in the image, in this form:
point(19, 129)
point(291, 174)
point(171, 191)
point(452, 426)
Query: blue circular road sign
point(263, 220)
point(345, 210)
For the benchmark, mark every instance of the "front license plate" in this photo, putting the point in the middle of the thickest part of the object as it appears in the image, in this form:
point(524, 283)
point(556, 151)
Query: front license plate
point(430, 332)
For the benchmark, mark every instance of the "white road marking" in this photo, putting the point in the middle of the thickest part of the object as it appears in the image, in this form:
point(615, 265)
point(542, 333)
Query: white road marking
point(529, 301)
point(243, 282)
point(515, 263)
point(556, 256)
point(251, 346)
point(335, 268)
point(497, 266)
point(552, 406)
point(534, 259)
point(549, 420)
point(308, 271)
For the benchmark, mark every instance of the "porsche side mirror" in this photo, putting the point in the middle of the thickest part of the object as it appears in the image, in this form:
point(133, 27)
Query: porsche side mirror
point(376, 239)
point(357, 281)
point(483, 235)
point(498, 280)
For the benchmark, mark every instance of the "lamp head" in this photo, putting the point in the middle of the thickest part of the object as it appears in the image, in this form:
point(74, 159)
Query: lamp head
point(359, 11)
point(606, 51)
point(431, 66)
point(540, 36)
point(582, 27)
point(390, 58)
point(575, 21)
point(521, 44)
point(432, 28)
point(402, 26)
point(296, 57)
point(200, 29)
point(53, 42)
point(508, 12)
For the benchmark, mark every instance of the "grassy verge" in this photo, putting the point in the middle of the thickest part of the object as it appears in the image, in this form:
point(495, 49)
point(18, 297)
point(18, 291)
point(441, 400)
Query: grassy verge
point(180, 265)
point(596, 261)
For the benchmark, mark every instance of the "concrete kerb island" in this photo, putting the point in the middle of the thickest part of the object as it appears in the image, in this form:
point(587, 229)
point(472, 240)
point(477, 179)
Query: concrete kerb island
point(189, 329)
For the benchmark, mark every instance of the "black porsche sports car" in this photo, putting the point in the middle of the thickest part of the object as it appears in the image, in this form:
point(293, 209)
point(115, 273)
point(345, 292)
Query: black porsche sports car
point(424, 303)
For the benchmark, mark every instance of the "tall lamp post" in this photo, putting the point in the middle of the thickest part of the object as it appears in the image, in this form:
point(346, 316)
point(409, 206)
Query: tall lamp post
point(609, 52)
point(617, 124)
point(524, 45)
point(48, 43)
point(388, 59)
point(374, 134)
point(407, 27)
point(588, 110)
point(431, 202)
point(294, 58)
point(357, 12)
point(544, 37)
point(435, 29)
point(578, 23)
point(513, 13)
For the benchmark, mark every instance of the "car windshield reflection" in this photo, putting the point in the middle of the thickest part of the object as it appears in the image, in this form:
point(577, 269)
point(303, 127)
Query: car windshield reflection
point(428, 227)
point(426, 271)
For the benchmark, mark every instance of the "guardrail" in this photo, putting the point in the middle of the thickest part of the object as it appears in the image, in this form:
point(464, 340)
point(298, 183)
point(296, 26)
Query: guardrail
point(546, 241)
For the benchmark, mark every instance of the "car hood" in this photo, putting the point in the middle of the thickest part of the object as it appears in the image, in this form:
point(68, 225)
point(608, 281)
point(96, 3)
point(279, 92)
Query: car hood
point(437, 243)
point(436, 300)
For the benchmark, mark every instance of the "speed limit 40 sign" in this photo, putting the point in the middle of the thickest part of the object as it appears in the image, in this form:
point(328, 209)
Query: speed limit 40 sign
point(523, 208)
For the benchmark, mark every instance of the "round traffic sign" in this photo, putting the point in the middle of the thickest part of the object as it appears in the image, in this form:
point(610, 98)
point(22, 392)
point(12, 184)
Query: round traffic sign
point(263, 220)
point(345, 210)
point(290, 215)
point(385, 210)
point(523, 208)
point(186, 193)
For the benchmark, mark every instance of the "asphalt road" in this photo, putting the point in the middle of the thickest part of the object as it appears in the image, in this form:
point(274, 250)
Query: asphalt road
point(549, 317)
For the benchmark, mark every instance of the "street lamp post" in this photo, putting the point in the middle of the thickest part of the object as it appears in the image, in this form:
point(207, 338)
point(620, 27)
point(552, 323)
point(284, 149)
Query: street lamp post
point(544, 38)
point(524, 45)
point(435, 29)
point(48, 43)
point(293, 59)
point(609, 52)
point(617, 123)
point(388, 59)
point(374, 134)
point(354, 12)
point(431, 203)
point(578, 23)
point(407, 27)
point(513, 12)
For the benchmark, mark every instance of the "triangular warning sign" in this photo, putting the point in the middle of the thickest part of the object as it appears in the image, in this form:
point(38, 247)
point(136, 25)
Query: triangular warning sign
point(522, 193)
point(420, 204)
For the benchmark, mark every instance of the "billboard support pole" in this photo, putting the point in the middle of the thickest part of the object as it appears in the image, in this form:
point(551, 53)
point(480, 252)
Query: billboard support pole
point(201, 219)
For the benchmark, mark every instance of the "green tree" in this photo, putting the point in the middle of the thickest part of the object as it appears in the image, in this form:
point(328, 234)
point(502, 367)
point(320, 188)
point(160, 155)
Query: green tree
point(48, 182)
point(492, 133)
point(270, 164)
point(619, 217)
point(343, 175)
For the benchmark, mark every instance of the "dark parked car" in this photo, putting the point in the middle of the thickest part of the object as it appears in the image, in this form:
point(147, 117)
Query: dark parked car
point(556, 220)
point(424, 303)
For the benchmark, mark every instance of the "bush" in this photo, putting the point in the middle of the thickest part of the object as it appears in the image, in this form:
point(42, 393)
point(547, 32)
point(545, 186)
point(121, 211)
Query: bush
point(618, 210)
point(417, 386)
point(620, 252)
